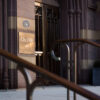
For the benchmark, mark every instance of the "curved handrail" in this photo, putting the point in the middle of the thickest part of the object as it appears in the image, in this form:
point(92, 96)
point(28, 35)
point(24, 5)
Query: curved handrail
point(81, 41)
point(78, 40)
point(60, 80)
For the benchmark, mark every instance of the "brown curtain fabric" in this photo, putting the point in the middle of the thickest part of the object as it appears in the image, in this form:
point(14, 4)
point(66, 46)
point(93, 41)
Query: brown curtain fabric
point(0, 42)
point(12, 41)
point(73, 20)
point(4, 45)
point(8, 41)
point(77, 18)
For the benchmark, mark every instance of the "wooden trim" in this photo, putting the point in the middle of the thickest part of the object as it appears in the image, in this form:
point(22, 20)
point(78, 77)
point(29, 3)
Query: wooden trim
point(48, 2)
point(78, 40)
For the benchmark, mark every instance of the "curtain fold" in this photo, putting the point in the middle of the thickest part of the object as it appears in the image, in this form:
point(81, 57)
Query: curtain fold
point(8, 42)
point(73, 20)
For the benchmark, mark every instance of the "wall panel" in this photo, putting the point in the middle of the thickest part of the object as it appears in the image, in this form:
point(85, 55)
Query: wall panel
point(25, 8)
point(25, 25)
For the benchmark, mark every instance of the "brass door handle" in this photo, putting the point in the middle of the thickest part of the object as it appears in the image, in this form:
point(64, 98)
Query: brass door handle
point(54, 56)
point(38, 53)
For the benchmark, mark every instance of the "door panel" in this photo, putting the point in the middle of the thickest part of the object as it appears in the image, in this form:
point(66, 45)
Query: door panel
point(47, 31)
point(52, 34)
point(39, 37)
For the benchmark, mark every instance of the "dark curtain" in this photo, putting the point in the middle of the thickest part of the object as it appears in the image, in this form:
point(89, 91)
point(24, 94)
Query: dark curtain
point(4, 45)
point(0, 42)
point(8, 42)
point(77, 16)
point(73, 14)
point(12, 41)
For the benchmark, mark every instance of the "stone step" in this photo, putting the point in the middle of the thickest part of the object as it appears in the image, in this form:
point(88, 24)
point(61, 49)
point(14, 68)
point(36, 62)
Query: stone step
point(45, 93)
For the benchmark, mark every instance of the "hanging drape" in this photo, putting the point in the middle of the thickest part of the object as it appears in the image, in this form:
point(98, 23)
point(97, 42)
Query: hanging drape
point(73, 15)
point(8, 41)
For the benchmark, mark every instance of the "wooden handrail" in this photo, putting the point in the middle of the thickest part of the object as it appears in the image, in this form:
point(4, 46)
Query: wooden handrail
point(62, 81)
point(78, 40)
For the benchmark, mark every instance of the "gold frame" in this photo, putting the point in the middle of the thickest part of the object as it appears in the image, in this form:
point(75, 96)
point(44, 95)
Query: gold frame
point(26, 43)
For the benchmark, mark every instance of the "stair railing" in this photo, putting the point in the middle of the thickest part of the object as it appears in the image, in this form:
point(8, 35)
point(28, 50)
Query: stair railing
point(80, 42)
point(68, 64)
point(23, 65)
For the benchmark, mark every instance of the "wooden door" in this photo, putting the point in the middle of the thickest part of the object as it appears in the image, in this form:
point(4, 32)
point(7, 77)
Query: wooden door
point(47, 31)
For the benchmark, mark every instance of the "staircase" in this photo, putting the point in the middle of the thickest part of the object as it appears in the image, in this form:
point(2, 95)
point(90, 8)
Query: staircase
point(45, 93)
point(23, 65)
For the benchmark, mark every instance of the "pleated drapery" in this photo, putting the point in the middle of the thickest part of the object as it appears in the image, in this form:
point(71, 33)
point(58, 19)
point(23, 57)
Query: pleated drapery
point(8, 41)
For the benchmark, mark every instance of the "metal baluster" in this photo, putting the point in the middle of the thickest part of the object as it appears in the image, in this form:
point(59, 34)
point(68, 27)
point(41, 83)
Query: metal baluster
point(30, 86)
point(75, 70)
point(68, 68)
point(68, 50)
point(75, 62)
point(28, 81)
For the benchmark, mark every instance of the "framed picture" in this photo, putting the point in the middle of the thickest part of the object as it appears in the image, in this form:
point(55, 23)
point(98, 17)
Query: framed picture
point(26, 43)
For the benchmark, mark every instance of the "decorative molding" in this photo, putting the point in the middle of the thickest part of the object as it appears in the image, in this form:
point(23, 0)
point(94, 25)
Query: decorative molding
point(38, 4)
point(49, 2)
